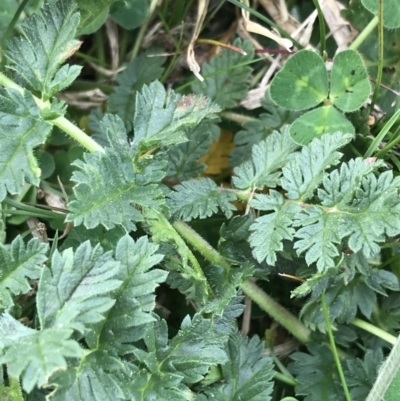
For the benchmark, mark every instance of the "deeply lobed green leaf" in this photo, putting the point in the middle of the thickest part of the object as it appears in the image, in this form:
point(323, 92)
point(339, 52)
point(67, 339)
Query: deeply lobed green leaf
point(47, 41)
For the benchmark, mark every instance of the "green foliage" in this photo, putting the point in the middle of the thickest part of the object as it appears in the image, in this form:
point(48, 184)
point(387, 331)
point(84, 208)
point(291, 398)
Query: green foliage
point(246, 375)
point(256, 130)
point(32, 354)
point(391, 14)
point(142, 70)
point(225, 76)
point(19, 261)
point(200, 199)
point(108, 190)
point(183, 158)
point(161, 116)
point(303, 83)
point(29, 130)
point(267, 157)
point(93, 14)
point(131, 302)
point(316, 373)
point(129, 13)
point(47, 42)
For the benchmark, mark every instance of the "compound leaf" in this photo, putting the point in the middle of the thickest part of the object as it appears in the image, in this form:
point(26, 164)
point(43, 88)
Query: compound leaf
point(108, 189)
point(256, 130)
point(225, 76)
point(34, 355)
point(350, 86)
point(142, 70)
point(316, 373)
point(361, 374)
point(267, 157)
point(269, 230)
point(94, 380)
point(247, 375)
point(21, 130)
point(161, 116)
point(47, 41)
point(19, 261)
point(184, 158)
point(303, 174)
point(319, 236)
point(302, 83)
point(135, 298)
point(200, 199)
point(368, 207)
point(184, 359)
point(74, 291)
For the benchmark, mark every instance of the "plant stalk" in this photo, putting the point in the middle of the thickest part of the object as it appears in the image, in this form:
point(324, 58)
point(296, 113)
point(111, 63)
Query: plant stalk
point(333, 346)
point(364, 34)
point(376, 331)
point(61, 122)
point(252, 290)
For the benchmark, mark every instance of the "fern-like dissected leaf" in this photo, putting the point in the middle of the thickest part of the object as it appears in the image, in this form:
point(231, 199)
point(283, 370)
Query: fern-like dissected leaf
point(92, 380)
point(305, 172)
point(200, 199)
point(135, 298)
point(74, 291)
point(142, 70)
point(21, 130)
point(271, 229)
point(225, 76)
point(34, 355)
point(267, 157)
point(108, 190)
point(319, 236)
point(111, 131)
point(183, 158)
point(316, 373)
point(18, 262)
point(362, 208)
point(161, 116)
point(254, 131)
point(247, 375)
point(185, 358)
point(47, 41)
point(361, 374)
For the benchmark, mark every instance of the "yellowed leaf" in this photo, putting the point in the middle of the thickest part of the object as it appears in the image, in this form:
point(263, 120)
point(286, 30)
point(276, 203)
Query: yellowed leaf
point(217, 159)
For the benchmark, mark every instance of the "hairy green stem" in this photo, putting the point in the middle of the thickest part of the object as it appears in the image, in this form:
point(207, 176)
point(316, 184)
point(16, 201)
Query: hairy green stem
point(364, 34)
point(380, 56)
point(333, 346)
point(269, 305)
point(277, 311)
point(376, 331)
point(61, 122)
point(285, 379)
